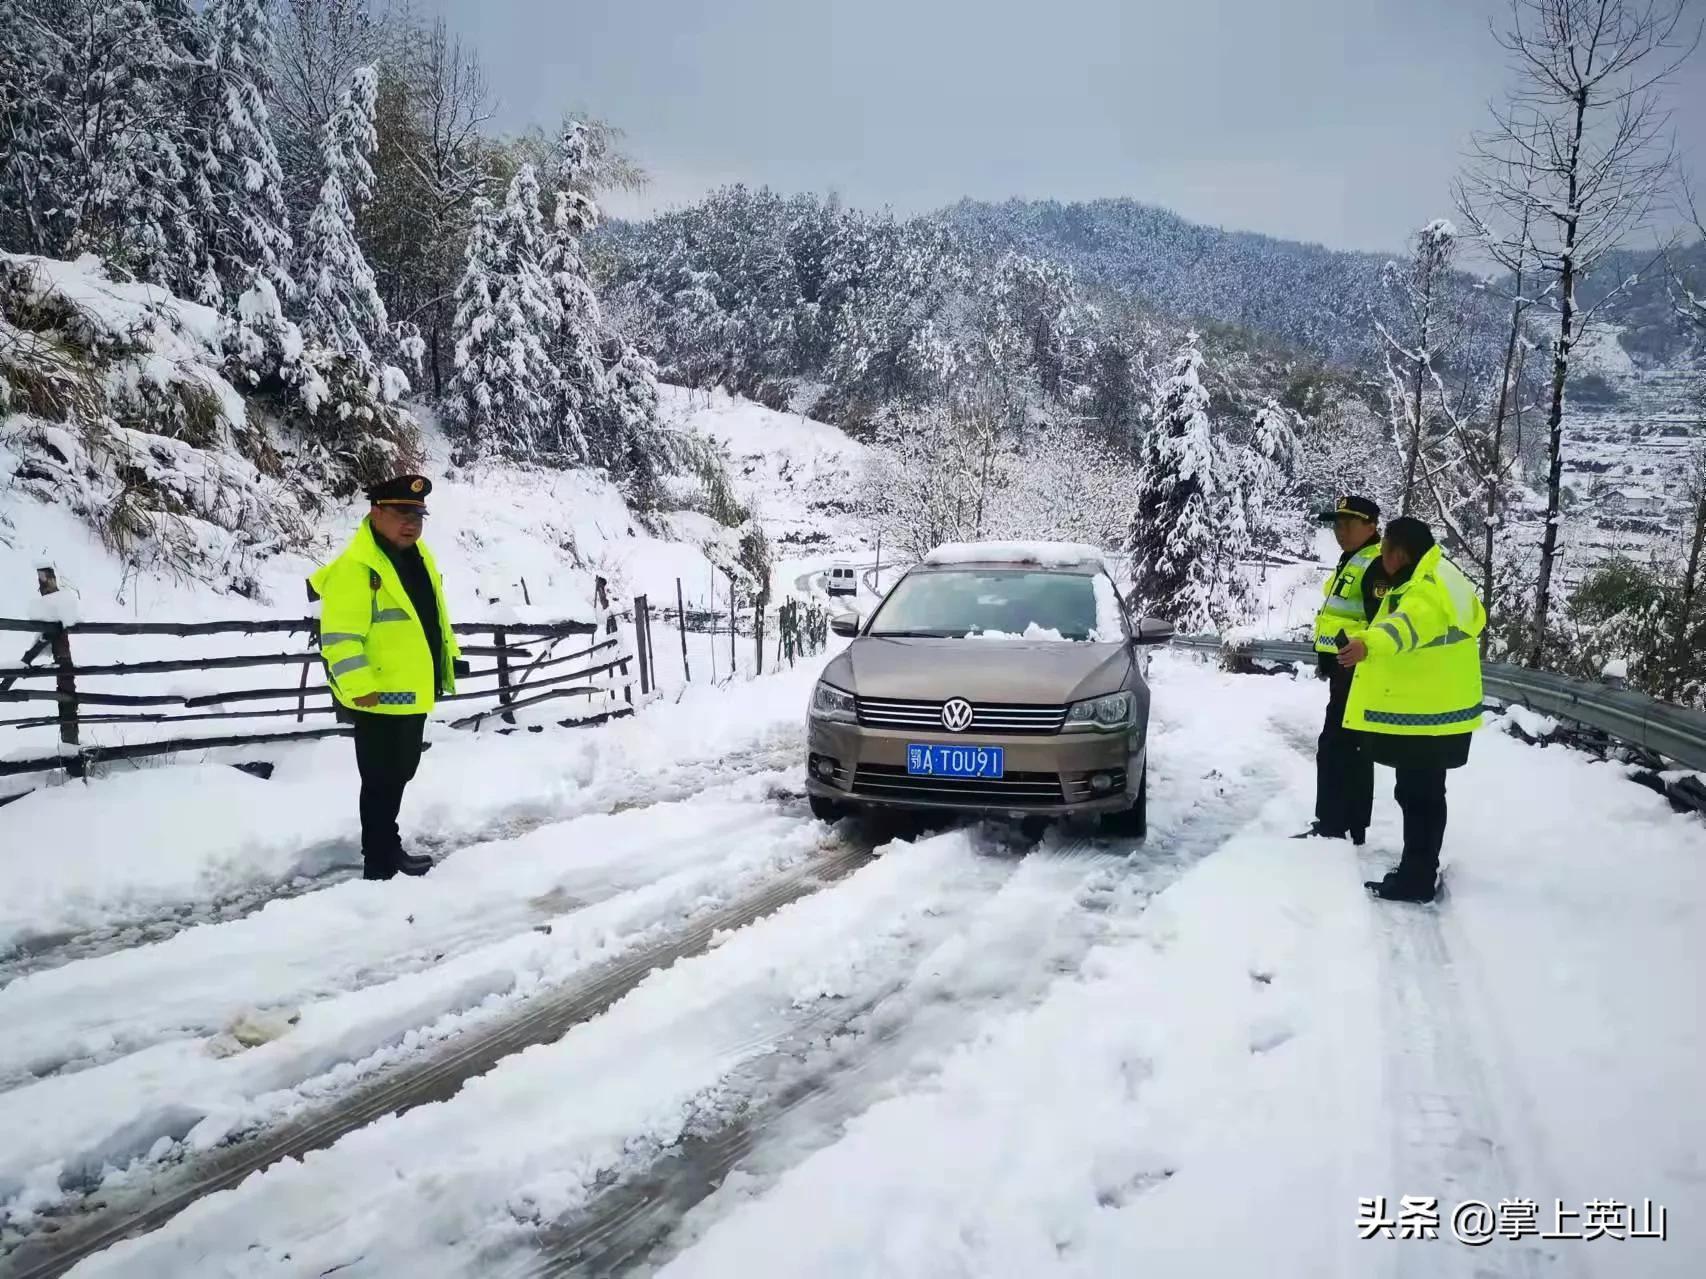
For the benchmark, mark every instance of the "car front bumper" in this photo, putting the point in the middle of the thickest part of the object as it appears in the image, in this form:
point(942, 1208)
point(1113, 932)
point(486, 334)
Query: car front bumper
point(1044, 776)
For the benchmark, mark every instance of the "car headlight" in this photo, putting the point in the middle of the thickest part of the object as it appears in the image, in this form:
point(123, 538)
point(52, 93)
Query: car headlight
point(1108, 714)
point(831, 703)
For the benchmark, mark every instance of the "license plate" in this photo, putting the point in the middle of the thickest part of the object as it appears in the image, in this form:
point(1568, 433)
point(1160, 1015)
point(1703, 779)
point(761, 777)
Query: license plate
point(956, 761)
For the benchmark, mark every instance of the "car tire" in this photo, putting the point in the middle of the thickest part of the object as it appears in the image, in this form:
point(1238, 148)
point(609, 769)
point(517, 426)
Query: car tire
point(827, 810)
point(1133, 822)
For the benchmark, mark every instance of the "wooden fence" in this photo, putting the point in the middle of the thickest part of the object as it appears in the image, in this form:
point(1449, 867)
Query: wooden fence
point(801, 629)
point(526, 670)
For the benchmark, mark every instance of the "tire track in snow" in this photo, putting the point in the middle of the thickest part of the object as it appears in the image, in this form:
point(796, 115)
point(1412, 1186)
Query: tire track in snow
point(1448, 1138)
point(822, 1075)
point(542, 1020)
point(325, 865)
point(86, 1017)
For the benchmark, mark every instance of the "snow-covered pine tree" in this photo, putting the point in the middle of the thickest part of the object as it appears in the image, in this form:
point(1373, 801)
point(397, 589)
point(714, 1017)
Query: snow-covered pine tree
point(627, 435)
point(26, 124)
point(340, 302)
point(318, 45)
point(503, 394)
point(93, 113)
point(245, 231)
point(1270, 473)
point(576, 335)
point(1179, 566)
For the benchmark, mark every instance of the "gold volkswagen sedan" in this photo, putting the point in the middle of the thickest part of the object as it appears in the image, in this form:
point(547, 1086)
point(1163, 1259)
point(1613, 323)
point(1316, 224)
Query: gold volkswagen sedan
point(994, 678)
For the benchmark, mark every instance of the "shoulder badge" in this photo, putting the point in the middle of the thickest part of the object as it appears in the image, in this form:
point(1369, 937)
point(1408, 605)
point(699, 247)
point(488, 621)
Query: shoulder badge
point(1380, 590)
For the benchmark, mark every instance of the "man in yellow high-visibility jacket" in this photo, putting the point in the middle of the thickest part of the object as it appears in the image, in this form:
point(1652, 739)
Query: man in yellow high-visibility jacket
point(1417, 695)
point(386, 639)
point(1350, 597)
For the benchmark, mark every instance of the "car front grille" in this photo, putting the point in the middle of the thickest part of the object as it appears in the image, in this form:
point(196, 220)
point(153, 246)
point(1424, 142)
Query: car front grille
point(887, 781)
point(1006, 719)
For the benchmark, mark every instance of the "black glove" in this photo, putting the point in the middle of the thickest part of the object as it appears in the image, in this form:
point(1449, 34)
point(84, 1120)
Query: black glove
point(462, 668)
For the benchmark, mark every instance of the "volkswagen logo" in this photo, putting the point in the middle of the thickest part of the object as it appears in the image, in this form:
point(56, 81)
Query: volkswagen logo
point(956, 715)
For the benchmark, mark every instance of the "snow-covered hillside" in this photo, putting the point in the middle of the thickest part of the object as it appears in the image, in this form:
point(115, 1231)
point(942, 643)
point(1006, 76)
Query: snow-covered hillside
point(494, 526)
point(121, 389)
point(1628, 451)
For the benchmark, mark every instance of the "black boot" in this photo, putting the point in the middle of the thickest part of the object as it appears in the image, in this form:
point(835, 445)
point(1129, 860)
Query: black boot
point(1318, 831)
point(377, 870)
point(1359, 837)
point(412, 863)
point(1396, 888)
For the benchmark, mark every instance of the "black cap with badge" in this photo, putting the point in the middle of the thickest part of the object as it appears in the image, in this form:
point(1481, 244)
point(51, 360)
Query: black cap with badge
point(402, 490)
point(1360, 508)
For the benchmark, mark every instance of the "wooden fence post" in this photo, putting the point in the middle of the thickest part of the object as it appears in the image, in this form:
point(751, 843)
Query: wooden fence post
point(640, 644)
point(500, 639)
point(651, 647)
point(758, 634)
point(681, 620)
point(47, 583)
point(734, 609)
point(302, 687)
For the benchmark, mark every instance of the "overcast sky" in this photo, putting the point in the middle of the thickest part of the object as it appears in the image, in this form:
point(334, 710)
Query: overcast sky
point(1340, 121)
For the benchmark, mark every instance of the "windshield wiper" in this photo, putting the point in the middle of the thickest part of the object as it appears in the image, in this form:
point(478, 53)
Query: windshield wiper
point(917, 635)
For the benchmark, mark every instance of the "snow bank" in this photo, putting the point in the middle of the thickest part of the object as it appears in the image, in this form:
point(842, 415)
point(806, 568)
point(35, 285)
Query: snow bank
point(1530, 722)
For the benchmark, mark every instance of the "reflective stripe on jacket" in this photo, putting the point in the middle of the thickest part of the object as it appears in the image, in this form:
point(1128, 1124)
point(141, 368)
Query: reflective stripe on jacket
point(371, 638)
point(1342, 606)
point(1422, 676)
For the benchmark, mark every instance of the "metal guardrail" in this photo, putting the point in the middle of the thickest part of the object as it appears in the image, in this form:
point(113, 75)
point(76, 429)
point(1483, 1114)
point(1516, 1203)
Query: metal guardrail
point(1671, 732)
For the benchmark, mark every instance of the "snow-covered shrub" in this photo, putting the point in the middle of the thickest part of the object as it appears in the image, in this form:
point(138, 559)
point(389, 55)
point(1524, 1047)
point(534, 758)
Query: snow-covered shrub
point(341, 412)
point(701, 480)
point(756, 558)
point(122, 402)
point(118, 407)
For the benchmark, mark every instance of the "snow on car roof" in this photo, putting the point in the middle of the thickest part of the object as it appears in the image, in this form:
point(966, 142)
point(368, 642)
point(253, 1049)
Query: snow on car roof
point(1042, 554)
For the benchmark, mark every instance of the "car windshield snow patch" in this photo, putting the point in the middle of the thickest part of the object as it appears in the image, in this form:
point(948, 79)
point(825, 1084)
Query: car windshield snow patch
point(1041, 554)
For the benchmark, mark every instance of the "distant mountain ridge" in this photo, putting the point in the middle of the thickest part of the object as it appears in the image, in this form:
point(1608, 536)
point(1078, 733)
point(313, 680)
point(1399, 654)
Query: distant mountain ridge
point(1304, 294)
point(1307, 295)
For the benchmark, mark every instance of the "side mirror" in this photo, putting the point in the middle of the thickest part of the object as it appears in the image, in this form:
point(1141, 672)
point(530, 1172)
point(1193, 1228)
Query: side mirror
point(845, 624)
point(1152, 630)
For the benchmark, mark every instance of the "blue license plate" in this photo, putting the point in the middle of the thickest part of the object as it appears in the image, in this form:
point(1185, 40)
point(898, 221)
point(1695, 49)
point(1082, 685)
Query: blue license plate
point(956, 761)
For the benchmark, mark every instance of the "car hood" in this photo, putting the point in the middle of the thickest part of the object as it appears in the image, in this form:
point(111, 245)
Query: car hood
point(1013, 671)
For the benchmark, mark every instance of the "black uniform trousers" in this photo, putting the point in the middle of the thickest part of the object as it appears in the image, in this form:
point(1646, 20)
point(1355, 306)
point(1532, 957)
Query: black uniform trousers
point(1421, 764)
point(387, 752)
point(1344, 772)
point(1420, 793)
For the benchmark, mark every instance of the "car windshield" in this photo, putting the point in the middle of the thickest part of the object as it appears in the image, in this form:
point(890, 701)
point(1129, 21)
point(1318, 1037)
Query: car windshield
point(990, 603)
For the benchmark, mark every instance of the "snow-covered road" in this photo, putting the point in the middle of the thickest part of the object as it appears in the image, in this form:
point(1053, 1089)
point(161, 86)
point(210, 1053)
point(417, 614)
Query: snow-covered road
point(676, 1024)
